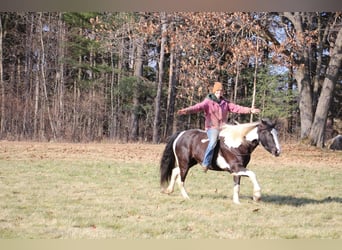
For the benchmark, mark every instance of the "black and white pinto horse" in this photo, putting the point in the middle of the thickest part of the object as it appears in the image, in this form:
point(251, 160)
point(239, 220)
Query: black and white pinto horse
point(232, 154)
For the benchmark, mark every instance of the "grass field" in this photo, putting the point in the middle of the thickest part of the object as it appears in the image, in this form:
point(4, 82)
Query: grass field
point(105, 190)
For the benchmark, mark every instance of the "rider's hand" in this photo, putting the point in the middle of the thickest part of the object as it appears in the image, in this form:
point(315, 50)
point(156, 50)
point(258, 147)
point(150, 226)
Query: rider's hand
point(181, 112)
point(255, 110)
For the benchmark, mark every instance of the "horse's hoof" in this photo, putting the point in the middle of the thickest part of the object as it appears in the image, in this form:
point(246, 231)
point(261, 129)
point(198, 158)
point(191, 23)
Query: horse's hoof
point(256, 199)
point(185, 197)
point(257, 196)
point(166, 191)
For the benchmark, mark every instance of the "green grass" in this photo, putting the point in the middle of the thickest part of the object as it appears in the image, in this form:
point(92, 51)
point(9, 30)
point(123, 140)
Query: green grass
point(100, 198)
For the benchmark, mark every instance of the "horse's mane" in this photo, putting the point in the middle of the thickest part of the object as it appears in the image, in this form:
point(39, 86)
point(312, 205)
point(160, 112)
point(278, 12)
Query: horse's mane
point(235, 134)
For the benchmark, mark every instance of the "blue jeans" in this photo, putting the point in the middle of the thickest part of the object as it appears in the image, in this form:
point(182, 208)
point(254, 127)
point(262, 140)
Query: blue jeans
point(213, 135)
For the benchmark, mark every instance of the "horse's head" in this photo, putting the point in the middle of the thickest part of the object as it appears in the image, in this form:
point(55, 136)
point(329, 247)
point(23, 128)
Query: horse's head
point(268, 137)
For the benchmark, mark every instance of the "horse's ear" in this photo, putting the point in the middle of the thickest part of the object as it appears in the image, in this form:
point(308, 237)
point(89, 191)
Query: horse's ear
point(269, 123)
point(275, 122)
point(265, 121)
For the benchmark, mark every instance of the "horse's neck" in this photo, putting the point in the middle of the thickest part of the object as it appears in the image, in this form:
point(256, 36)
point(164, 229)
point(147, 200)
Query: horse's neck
point(234, 135)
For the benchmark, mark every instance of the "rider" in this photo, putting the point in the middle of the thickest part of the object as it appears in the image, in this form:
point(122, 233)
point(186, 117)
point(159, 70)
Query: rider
point(216, 110)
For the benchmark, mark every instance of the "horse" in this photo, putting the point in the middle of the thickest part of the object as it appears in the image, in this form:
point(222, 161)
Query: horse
point(335, 143)
point(184, 149)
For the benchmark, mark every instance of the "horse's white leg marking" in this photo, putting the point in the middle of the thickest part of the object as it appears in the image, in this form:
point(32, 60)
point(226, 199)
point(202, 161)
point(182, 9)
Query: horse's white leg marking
point(236, 191)
point(175, 174)
point(252, 177)
point(182, 188)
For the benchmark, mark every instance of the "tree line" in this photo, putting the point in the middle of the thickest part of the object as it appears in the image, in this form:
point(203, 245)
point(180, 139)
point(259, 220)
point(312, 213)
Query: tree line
point(93, 76)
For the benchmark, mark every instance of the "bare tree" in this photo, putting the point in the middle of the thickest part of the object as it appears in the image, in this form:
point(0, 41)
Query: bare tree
point(2, 85)
point(79, 76)
point(318, 126)
point(59, 77)
point(138, 73)
point(43, 77)
point(302, 77)
point(156, 123)
point(309, 51)
point(173, 80)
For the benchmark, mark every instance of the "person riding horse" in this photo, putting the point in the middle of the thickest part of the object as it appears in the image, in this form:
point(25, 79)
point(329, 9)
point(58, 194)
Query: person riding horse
point(184, 149)
point(216, 109)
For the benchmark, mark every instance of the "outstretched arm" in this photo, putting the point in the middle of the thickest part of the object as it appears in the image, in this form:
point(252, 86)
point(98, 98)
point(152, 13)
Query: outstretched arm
point(241, 109)
point(254, 111)
point(193, 109)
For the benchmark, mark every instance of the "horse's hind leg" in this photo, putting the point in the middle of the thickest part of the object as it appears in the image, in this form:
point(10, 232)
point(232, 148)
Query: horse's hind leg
point(180, 181)
point(174, 176)
point(182, 188)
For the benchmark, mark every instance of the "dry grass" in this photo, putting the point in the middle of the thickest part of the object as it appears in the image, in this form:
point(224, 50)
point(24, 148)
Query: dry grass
point(105, 190)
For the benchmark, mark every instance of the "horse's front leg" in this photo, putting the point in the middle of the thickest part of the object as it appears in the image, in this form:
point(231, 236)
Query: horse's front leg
point(252, 177)
point(236, 189)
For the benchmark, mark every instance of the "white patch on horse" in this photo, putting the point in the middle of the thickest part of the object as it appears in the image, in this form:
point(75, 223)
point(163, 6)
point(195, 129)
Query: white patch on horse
point(222, 163)
point(231, 139)
point(235, 134)
point(174, 147)
point(275, 137)
point(252, 135)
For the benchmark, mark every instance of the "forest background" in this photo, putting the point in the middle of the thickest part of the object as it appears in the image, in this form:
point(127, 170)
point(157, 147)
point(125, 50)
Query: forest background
point(121, 76)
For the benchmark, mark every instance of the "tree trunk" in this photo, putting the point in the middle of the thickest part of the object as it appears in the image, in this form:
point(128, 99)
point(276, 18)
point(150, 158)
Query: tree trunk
point(302, 76)
point(36, 106)
point(28, 79)
point(76, 105)
point(319, 50)
point(236, 80)
point(255, 77)
point(60, 77)
point(2, 86)
point(171, 93)
point(42, 68)
point(156, 123)
point(112, 115)
point(305, 101)
point(138, 73)
point(318, 127)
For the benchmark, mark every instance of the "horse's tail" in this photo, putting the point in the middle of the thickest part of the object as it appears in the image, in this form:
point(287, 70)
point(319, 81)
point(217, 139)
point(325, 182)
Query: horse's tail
point(168, 159)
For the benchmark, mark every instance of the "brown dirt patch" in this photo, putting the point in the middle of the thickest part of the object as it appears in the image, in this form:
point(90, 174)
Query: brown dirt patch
point(294, 154)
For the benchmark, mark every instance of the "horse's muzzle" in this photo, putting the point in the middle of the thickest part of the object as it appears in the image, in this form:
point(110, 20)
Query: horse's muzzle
point(276, 153)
